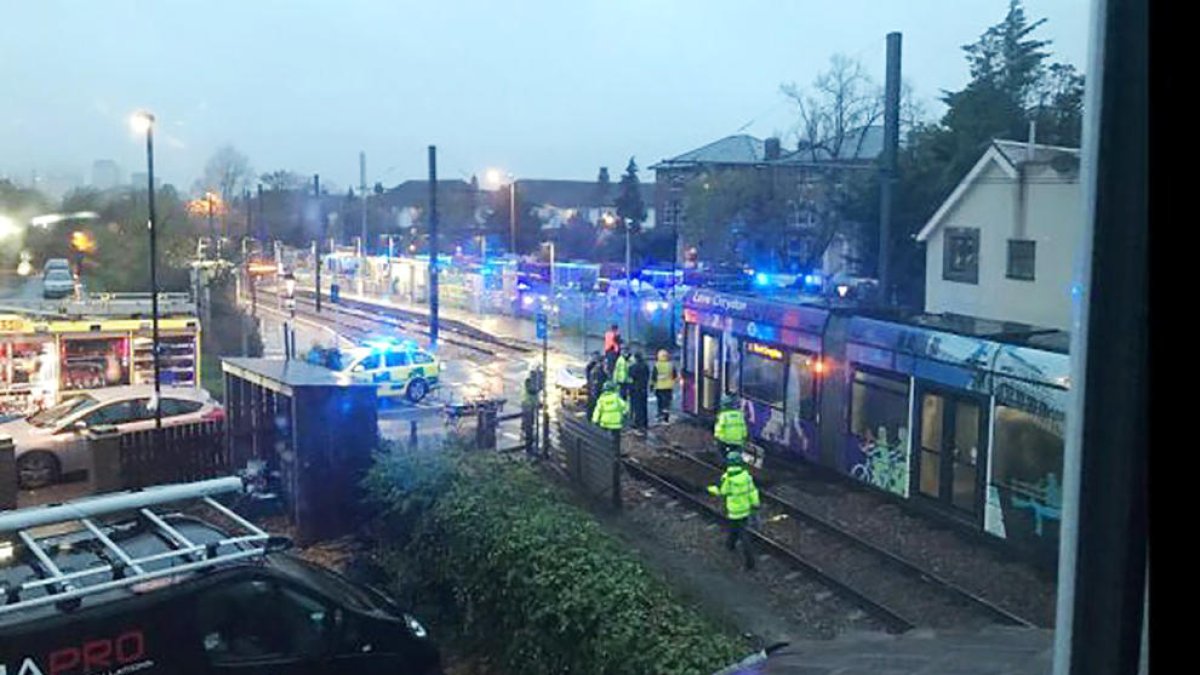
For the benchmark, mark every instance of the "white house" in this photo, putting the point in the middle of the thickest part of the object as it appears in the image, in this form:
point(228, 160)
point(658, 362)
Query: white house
point(1003, 245)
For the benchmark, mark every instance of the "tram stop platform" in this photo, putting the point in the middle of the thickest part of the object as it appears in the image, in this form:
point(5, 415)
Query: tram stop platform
point(996, 650)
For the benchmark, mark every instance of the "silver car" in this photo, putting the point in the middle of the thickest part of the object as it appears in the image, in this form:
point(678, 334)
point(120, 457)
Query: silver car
point(52, 442)
point(58, 283)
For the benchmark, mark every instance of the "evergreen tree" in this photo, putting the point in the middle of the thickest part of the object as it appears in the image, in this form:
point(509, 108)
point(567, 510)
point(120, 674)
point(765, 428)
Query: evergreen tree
point(630, 208)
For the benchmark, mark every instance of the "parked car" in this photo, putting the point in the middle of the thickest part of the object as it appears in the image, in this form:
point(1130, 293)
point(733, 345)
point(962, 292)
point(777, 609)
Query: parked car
point(52, 442)
point(56, 264)
point(58, 283)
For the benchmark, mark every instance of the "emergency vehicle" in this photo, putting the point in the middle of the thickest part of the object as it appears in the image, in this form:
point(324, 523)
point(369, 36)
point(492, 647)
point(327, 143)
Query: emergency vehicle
point(103, 342)
point(399, 368)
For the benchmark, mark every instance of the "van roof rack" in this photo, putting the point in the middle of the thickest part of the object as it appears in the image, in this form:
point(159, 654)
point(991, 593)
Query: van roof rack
point(118, 566)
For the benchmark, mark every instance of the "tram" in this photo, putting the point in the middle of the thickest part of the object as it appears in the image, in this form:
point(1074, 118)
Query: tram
point(960, 415)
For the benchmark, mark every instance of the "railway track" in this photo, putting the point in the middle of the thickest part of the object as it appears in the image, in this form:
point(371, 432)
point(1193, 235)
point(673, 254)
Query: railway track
point(364, 324)
point(896, 591)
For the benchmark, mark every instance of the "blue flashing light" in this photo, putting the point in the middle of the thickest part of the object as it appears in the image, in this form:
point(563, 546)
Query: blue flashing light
point(762, 279)
point(527, 300)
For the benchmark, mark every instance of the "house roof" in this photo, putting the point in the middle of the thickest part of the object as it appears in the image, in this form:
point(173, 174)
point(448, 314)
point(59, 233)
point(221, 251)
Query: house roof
point(739, 149)
point(1009, 156)
point(416, 192)
point(859, 145)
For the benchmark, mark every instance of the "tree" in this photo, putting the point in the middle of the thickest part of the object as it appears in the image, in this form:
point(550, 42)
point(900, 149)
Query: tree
point(630, 208)
point(227, 172)
point(282, 179)
point(834, 116)
point(603, 187)
point(1010, 86)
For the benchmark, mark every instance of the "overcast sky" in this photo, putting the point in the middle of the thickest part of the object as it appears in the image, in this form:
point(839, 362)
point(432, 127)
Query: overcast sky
point(540, 88)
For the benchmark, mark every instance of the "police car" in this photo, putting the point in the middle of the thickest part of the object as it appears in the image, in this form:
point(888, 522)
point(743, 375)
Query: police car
point(399, 368)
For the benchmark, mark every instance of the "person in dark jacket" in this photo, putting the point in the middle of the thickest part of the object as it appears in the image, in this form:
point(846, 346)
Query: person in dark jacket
point(595, 380)
point(639, 391)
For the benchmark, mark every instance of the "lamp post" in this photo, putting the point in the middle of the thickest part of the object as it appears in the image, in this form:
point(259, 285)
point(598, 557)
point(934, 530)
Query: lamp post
point(143, 122)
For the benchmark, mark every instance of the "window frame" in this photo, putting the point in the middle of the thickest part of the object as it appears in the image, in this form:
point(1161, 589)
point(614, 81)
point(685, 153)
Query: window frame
point(953, 234)
point(884, 374)
point(1010, 270)
point(784, 365)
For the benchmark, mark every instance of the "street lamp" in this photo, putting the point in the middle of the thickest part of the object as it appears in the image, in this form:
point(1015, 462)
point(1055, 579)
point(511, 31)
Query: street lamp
point(143, 122)
point(611, 220)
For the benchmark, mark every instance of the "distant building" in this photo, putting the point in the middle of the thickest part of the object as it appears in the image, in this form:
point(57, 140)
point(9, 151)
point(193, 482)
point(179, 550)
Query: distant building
point(140, 178)
point(806, 171)
point(556, 202)
point(106, 174)
point(1003, 244)
point(408, 200)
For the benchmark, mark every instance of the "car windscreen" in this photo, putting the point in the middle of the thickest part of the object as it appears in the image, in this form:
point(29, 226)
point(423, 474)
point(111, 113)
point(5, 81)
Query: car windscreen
point(52, 415)
point(332, 584)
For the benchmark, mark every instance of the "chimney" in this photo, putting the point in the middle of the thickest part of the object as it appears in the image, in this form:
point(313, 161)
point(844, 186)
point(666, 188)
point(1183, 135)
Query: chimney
point(1029, 147)
point(771, 148)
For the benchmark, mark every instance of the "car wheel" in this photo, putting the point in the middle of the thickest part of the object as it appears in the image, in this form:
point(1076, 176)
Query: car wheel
point(417, 390)
point(37, 469)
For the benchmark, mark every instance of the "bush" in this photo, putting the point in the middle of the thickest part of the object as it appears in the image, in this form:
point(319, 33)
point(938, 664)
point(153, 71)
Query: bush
point(531, 579)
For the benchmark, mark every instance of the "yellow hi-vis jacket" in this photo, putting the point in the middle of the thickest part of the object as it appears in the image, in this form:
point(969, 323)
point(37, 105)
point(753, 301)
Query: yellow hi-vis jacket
point(610, 411)
point(741, 496)
point(664, 374)
point(731, 427)
point(621, 370)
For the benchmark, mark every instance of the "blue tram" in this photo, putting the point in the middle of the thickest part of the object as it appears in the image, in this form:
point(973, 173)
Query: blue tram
point(960, 415)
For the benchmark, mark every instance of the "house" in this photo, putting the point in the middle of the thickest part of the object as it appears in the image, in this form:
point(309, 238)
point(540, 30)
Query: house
point(558, 201)
point(406, 201)
point(1003, 244)
point(808, 172)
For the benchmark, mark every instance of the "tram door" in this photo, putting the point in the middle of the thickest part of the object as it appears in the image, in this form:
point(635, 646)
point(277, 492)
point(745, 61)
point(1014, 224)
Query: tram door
point(953, 445)
point(710, 372)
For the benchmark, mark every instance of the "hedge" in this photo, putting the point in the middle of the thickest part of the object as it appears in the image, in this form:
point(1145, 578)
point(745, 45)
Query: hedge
point(531, 579)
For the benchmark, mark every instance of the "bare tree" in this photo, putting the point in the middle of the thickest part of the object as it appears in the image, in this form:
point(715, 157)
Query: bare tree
point(282, 180)
point(227, 172)
point(834, 114)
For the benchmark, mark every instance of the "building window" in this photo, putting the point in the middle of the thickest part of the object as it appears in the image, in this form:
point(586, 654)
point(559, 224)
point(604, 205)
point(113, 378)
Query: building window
point(960, 257)
point(1021, 256)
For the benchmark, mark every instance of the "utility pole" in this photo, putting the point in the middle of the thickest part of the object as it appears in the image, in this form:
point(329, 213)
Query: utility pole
point(891, 143)
point(433, 249)
point(212, 230)
point(321, 238)
point(249, 213)
point(512, 214)
point(628, 284)
point(264, 232)
point(362, 186)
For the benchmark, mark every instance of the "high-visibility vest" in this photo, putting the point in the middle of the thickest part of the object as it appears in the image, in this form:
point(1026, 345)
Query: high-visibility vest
point(664, 374)
point(741, 495)
point(621, 370)
point(610, 411)
point(611, 341)
point(731, 427)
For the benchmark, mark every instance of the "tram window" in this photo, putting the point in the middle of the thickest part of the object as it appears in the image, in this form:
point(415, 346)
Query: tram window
point(878, 403)
point(763, 374)
point(732, 359)
point(801, 392)
point(1027, 464)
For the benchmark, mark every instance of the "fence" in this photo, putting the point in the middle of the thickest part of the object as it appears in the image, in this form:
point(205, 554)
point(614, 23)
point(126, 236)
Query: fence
point(591, 456)
point(188, 452)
